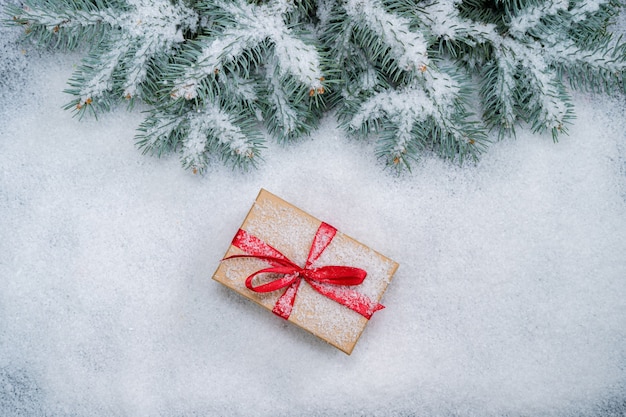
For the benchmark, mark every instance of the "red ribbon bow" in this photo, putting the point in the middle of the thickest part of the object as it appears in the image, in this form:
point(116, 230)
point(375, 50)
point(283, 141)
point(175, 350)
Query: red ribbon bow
point(327, 280)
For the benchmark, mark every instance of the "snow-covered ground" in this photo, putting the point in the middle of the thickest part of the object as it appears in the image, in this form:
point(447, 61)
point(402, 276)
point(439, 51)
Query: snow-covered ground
point(510, 298)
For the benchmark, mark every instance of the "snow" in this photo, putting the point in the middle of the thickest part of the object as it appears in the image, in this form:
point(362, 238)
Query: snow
point(510, 298)
point(145, 21)
point(531, 17)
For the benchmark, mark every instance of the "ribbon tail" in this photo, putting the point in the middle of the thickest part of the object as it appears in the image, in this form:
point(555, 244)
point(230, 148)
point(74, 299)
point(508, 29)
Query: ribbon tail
point(349, 298)
point(253, 246)
point(284, 305)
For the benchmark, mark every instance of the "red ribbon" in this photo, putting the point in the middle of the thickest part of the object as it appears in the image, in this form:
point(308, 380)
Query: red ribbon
point(327, 280)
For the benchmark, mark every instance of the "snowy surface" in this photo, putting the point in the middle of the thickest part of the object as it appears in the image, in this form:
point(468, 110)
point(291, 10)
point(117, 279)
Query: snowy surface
point(510, 298)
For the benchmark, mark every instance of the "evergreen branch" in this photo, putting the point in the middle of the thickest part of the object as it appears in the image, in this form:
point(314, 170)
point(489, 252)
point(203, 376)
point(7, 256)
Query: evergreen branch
point(63, 24)
point(528, 18)
point(200, 134)
point(419, 117)
point(137, 33)
point(283, 118)
point(395, 113)
point(593, 13)
point(325, 12)
point(387, 33)
point(445, 22)
point(255, 30)
point(545, 101)
point(136, 69)
point(469, 42)
point(214, 131)
point(336, 29)
point(602, 69)
point(297, 59)
point(585, 22)
point(498, 92)
point(286, 116)
point(444, 91)
point(240, 89)
point(214, 54)
point(215, 69)
point(93, 82)
point(409, 103)
point(161, 132)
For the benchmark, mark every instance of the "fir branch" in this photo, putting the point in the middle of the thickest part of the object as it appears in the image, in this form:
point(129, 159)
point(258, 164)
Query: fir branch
point(529, 17)
point(600, 70)
point(252, 33)
point(214, 54)
point(402, 69)
point(133, 35)
point(65, 24)
point(387, 34)
point(427, 114)
point(160, 133)
point(545, 102)
point(413, 107)
point(211, 130)
point(200, 134)
point(285, 116)
point(93, 83)
point(498, 92)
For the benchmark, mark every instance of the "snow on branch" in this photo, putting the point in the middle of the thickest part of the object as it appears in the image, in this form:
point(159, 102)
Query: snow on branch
point(405, 69)
point(137, 69)
point(531, 16)
point(259, 29)
point(445, 22)
point(159, 132)
point(214, 55)
point(547, 104)
point(117, 66)
point(57, 15)
point(581, 10)
point(155, 27)
point(296, 59)
point(403, 107)
point(442, 89)
point(408, 48)
point(160, 21)
point(95, 77)
point(609, 59)
point(498, 91)
point(285, 117)
point(412, 119)
point(212, 130)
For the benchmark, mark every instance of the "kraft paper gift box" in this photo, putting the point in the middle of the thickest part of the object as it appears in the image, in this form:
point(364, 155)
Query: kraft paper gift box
point(306, 271)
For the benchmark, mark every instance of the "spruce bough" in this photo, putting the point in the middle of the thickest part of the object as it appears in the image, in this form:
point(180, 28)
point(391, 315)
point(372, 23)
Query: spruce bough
point(417, 76)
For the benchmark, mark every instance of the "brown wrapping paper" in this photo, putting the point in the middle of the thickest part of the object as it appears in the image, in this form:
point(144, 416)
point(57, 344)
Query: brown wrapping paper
point(291, 230)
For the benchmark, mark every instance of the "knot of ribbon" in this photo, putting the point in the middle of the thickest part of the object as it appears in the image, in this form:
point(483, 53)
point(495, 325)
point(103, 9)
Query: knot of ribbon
point(327, 280)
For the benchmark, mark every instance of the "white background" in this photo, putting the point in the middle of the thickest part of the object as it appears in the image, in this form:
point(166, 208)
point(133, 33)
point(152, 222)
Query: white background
point(510, 298)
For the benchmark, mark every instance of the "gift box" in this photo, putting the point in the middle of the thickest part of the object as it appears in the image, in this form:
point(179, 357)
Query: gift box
point(306, 271)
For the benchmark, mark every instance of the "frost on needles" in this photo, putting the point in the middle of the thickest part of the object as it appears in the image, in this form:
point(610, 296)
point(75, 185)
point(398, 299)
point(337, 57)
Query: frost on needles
point(415, 76)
